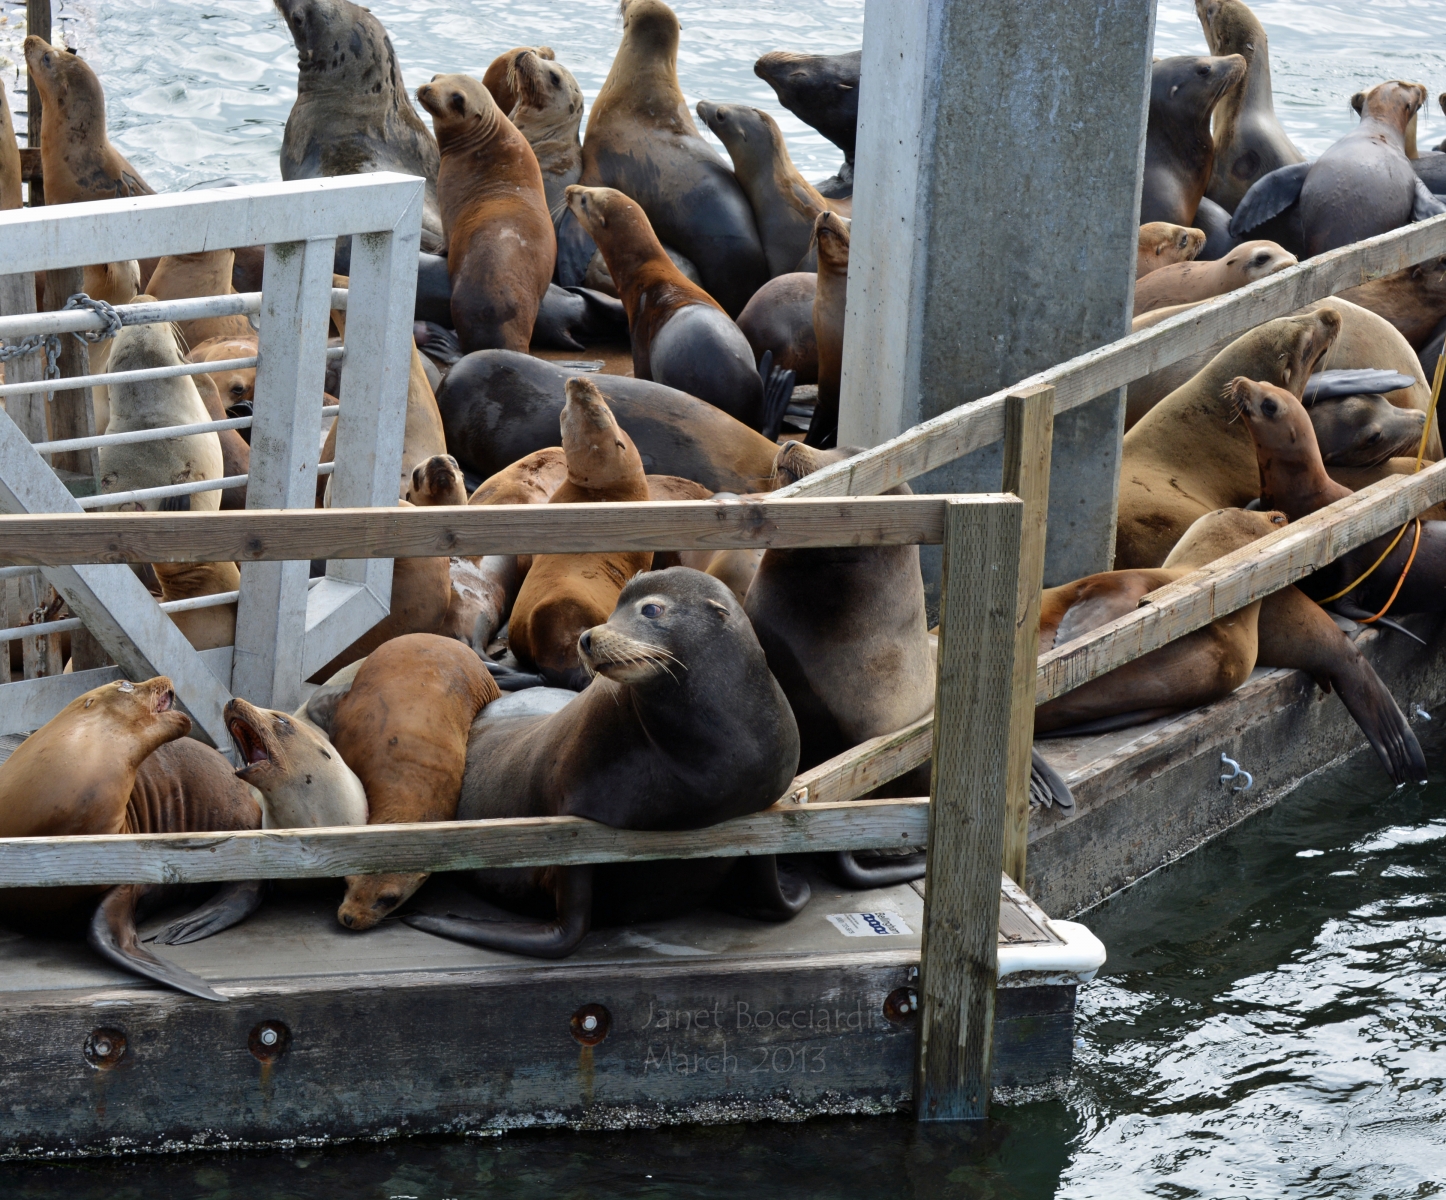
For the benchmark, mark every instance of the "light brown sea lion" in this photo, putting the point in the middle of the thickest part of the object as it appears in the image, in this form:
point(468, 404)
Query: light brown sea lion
point(785, 205)
point(497, 77)
point(1191, 282)
point(301, 776)
point(1186, 458)
point(1162, 244)
point(235, 449)
point(547, 111)
point(681, 337)
point(352, 114)
point(779, 318)
point(238, 384)
point(1249, 140)
point(500, 241)
point(671, 487)
point(683, 726)
point(437, 481)
point(205, 273)
point(205, 628)
point(76, 157)
point(565, 594)
point(11, 191)
point(829, 304)
point(115, 283)
point(641, 140)
point(1179, 151)
point(403, 729)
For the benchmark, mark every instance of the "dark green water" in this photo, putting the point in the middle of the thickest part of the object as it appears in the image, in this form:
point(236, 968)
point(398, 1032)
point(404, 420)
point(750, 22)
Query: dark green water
point(1271, 1023)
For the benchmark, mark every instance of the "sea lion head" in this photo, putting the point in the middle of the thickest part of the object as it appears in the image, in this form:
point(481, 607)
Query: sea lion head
point(599, 454)
point(1277, 421)
point(1192, 85)
point(262, 738)
point(141, 346)
point(1395, 102)
point(1230, 28)
point(460, 107)
point(437, 481)
point(548, 98)
point(293, 765)
point(832, 233)
point(146, 711)
point(329, 32)
point(1364, 430)
point(748, 134)
point(794, 461)
point(1219, 533)
point(1172, 243)
point(595, 207)
point(650, 25)
point(1256, 260)
point(237, 385)
point(1290, 348)
point(65, 81)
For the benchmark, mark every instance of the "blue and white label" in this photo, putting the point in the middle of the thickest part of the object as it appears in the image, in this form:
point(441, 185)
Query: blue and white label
point(870, 924)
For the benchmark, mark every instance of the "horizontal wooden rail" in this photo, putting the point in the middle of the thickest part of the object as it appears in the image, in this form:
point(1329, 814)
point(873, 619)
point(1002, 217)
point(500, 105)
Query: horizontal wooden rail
point(1238, 579)
point(448, 846)
point(254, 535)
point(864, 767)
point(980, 423)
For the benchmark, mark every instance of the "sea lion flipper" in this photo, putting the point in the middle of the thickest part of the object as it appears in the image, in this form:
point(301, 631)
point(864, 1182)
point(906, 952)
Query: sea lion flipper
point(845, 869)
point(1425, 204)
point(539, 939)
point(112, 935)
point(231, 905)
point(1047, 783)
point(777, 392)
point(1375, 710)
point(757, 888)
point(1268, 197)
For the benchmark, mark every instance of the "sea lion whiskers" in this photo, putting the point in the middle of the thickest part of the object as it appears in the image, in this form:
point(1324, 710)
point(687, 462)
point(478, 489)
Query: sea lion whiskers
point(624, 659)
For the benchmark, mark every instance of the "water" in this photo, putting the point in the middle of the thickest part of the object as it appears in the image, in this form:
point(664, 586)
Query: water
point(1272, 1021)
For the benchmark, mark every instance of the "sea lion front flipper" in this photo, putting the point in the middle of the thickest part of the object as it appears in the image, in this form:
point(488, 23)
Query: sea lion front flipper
point(1268, 197)
point(112, 935)
point(538, 939)
point(1375, 710)
point(1046, 783)
point(1425, 204)
point(777, 392)
point(758, 889)
point(231, 905)
point(845, 869)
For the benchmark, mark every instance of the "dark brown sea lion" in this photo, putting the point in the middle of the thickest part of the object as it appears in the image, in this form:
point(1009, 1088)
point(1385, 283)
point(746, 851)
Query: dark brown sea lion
point(641, 140)
point(829, 304)
point(1413, 300)
point(498, 407)
point(681, 336)
point(107, 763)
point(682, 727)
point(1191, 282)
point(1186, 458)
point(500, 241)
point(352, 113)
point(1179, 151)
point(779, 320)
point(76, 157)
point(1162, 244)
point(1249, 140)
point(1364, 430)
point(402, 727)
point(821, 90)
point(565, 594)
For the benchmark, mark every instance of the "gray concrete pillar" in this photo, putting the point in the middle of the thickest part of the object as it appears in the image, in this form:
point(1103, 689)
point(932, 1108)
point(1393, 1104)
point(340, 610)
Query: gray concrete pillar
point(996, 201)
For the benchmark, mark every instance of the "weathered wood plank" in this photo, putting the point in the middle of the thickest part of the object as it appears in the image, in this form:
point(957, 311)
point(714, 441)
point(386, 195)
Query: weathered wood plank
point(253, 536)
point(1238, 579)
point(451, 846)
point(980, 423)
point(973, 711)
point(864, 767)
point(1028, 438)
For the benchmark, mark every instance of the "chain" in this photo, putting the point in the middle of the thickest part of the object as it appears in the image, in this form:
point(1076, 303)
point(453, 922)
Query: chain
point(51, 342)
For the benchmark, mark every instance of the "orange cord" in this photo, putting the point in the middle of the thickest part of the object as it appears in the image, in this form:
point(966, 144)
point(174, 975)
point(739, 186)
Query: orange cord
point(1415, 545)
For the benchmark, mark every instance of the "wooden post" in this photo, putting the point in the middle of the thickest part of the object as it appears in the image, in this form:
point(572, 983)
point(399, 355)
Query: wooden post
point(1028, 437)
point(71, 412)
point(973, 710)
point(37, 21)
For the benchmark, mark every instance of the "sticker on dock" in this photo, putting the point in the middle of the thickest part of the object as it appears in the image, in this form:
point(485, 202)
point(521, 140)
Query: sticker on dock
point(876, 924)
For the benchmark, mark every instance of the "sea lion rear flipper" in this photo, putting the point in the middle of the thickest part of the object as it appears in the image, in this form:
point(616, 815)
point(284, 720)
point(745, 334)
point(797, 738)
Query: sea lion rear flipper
point(1375, 710)
point(1356, 613)
point(1268, 197)
point(845, 869)
point(231, 905)
point(759, 889)
point(112, 935)
point(1425, 204)
point(1046, 785)
point(539, 939)
point(777, 392)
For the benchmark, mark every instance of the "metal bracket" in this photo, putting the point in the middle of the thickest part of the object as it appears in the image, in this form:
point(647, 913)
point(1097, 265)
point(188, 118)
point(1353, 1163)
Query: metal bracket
point(1236, 772)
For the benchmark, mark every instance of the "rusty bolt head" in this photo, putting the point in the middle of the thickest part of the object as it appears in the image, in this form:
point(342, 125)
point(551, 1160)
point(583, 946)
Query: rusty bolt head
point(901, 1006)
point(269, 1040)
point(590, 1024)
point(104, 1048)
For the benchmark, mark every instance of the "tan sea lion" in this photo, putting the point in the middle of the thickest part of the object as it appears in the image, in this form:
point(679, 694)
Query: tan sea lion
point(497, 77)
point(681, 727)
point(1191, 282)
point(779, 318)
point(76, 157)
point(11, 190)
point(681, 337)
point(565, 594)
point(1186, 458)
point(830, 302)
point(115, 283)
point(547, 111)
point(1179, 151)
point(238, 384)
point(235, 449)
point(301, 776)
point(641, 140)
point(500, 240)
point(785, 205)
point(205, 628)
point(437, 481)
point(205, 273)
point(403, 729)
point(1249, 140)
point(671, 487)
point(1162, 244)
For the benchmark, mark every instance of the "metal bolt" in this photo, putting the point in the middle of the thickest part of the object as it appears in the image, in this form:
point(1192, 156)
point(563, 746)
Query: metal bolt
point(589, 1022)
point(268, 1037)
point(102, 1048)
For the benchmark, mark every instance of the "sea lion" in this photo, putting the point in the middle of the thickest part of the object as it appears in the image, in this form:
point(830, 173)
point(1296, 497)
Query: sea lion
point(1162, 244)
point(204, 628)
point(76, 158)
point(497, 407)
point(11, 191)
point(500, 242)
point(153, 404)
point(681, 336)
point(1413, 300)
point(547, 111)
point(779, 320)
point(682, 726)
point(238, 384)
point(402, 727)
point(1179, 151)
point(205, 273)
point(1191, 282)
point(115, 283)
point(573, 318)
point(785, 204)
point(437, 481)
point(1249, 140)
point(235, 443)
point(1214, 222)
point(641, 140)
point(301, 776)
point(1364, 430)
point(352, 114)
point(1185, 458)
point(565, 594)
point(829, 304)
point(98, 767)
point(498, 79)
point(821, 90)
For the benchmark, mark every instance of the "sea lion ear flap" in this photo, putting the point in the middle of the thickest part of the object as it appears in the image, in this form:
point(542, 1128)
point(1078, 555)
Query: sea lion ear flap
point(1358, 102)
point(718, 607)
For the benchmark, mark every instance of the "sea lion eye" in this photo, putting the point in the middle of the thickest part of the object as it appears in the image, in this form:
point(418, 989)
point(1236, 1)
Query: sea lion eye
point(238, 389)
point(125, 685)
point(652, 610)
point(556, 79)
point(458, 103)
